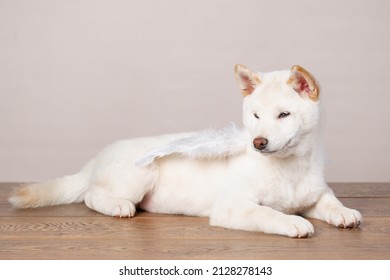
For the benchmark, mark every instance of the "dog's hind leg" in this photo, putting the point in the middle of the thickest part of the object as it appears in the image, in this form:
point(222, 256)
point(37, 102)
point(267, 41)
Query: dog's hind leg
point(117, 207)
point(117, 186)
point(118, 195)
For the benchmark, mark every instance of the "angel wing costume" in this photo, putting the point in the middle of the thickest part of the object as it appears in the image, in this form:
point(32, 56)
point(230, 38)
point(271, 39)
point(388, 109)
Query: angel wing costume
point(206, 144)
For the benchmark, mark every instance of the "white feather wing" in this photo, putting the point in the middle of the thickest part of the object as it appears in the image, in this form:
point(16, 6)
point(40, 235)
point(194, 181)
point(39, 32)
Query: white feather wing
point(207, 144)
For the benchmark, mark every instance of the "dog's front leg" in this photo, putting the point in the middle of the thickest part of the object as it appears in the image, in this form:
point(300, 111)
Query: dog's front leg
point(329, 209)
point(247, 215)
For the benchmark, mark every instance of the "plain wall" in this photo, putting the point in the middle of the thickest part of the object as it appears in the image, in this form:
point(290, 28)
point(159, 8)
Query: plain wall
point(78, 75)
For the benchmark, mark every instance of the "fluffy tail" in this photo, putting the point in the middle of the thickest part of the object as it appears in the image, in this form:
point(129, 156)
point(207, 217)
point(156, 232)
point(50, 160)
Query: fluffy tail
point(69, 189)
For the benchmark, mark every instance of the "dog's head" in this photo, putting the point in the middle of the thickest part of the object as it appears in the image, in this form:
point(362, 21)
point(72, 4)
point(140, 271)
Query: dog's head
point(280, 109)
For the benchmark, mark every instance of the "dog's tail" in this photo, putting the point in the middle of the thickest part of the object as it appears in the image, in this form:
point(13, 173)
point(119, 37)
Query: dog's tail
point(69, 189)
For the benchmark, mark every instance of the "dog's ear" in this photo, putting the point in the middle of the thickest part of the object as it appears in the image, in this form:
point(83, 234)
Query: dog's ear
point(303, 83)
point(246, 78)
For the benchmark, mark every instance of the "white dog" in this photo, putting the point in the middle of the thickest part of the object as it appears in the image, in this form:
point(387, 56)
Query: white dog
point(255, 179)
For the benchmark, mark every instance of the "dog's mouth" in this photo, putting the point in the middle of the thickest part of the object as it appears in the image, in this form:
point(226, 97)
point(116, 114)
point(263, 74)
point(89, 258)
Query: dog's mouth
point(264, 152)
point(289, 144)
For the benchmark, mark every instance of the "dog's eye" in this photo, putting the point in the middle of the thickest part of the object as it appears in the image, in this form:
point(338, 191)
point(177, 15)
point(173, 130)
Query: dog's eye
point(283, 115)
point(256, 115)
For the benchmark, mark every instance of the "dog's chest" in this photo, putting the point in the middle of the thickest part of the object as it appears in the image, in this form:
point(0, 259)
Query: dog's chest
point(289, 198)
point(289, 190)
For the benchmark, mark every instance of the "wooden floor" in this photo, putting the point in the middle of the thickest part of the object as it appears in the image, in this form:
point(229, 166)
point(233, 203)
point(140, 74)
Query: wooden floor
point(75, 232)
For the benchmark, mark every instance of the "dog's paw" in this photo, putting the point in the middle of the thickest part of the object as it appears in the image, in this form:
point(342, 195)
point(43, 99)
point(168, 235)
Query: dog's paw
point(345, 218)
point(124, 209)
point(297, 227)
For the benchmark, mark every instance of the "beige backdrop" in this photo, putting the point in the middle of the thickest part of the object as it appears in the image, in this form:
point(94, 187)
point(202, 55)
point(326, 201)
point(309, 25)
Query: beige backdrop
point(78, 75)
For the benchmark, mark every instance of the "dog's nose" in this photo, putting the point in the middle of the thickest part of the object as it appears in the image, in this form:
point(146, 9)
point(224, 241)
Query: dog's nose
point(260, 143)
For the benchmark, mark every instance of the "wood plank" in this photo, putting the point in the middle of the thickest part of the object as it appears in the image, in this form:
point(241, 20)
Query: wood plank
point(166, 239)
point(148, 225)
point(69, 210)
point(361, 189)
point(76, 232)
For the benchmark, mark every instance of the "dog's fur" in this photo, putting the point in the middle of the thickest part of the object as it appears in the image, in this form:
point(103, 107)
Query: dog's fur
point(255, 179)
